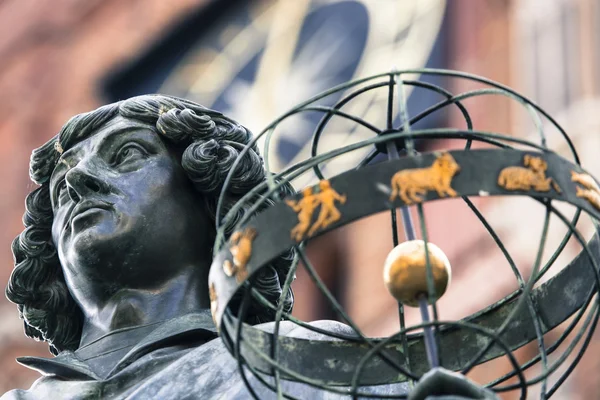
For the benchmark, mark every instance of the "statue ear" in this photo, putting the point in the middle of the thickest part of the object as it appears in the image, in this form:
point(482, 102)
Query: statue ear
point(527, 160)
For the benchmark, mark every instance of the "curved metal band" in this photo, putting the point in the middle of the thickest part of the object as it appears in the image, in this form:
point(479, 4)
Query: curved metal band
point(367, 191)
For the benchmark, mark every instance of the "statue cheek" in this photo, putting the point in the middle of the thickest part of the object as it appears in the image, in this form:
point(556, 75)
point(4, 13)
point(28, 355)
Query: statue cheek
point(59, 224)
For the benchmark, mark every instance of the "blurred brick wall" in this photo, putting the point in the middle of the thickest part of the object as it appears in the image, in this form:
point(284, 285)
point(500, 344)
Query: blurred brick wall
point(54, 55)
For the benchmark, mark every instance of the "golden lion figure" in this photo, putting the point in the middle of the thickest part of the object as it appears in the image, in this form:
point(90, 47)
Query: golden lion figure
point(532, 177)
point(591, 193)
point(412, 184)
point(241, 250)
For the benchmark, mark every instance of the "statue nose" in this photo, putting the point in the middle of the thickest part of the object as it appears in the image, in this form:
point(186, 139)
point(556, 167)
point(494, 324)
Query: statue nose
point(81, 183)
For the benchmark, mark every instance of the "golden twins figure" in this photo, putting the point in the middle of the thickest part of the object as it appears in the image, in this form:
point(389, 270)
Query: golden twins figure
point(307, 205)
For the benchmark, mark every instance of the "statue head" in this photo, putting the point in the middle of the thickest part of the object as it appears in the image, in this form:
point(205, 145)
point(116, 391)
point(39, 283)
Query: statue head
point(127, 198)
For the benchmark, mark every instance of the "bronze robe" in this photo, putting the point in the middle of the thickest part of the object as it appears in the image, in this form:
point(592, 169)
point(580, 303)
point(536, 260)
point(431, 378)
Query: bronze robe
point(179, 359)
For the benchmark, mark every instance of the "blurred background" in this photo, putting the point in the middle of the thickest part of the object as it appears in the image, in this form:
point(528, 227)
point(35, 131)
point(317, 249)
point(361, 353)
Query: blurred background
point(255, 59)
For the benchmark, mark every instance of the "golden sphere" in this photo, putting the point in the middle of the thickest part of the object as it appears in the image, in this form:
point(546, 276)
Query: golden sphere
point(405, 272)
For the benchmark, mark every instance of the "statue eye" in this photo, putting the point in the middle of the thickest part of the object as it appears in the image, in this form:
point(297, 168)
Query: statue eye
point(129, 152)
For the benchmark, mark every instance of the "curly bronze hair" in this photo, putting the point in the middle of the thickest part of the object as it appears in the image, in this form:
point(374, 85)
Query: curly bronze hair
point(210, 142)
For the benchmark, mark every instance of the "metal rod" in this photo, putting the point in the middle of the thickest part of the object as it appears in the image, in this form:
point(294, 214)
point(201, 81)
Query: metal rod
point(409, 228)
point(392, 152)
point(430, 344)
point(407, 223)
point(392, 155)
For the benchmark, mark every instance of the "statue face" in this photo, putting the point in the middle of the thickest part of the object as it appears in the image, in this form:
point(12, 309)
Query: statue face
point(125, 214)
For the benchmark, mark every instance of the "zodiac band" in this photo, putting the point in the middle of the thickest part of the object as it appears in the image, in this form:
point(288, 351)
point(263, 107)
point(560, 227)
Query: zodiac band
point(411, 185)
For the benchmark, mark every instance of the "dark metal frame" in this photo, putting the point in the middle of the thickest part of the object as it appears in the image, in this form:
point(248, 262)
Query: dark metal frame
point(402, 356)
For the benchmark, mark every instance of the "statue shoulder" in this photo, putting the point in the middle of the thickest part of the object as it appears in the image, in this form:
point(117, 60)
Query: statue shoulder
point(42, 387)
point(290, 329)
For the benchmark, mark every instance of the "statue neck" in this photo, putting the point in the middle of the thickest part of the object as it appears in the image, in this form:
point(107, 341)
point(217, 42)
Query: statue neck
point(128, 308)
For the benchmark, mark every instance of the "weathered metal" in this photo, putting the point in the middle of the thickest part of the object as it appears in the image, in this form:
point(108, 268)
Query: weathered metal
point(410, 180)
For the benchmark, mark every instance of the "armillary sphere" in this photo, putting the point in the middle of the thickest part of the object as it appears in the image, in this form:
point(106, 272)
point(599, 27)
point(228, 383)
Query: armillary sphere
point(390, 175)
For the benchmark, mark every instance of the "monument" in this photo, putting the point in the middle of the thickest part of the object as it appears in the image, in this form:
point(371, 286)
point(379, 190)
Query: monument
point(158, 254)
point(112, 267)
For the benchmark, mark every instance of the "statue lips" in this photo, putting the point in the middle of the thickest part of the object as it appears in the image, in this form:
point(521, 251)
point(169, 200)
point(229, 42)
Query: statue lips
point(86, 208)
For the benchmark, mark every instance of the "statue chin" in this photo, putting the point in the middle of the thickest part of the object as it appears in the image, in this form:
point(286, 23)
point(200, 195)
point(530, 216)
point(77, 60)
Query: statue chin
point(92, 248)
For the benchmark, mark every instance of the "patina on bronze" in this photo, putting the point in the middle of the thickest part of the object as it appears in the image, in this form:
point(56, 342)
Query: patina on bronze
point(112, 267)
point(522, 316)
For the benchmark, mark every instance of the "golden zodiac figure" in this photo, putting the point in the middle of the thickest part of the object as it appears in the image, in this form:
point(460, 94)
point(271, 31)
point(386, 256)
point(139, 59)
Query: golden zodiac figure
point(329, 213)
point(306, 206)
point(411, 184)
point(241, 250)
point(591, 193)
point(212, 294)
point(532, 177)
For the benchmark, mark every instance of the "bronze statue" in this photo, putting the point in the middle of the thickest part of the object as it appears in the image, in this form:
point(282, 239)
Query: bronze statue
point(118, 236)
point(112, 267)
